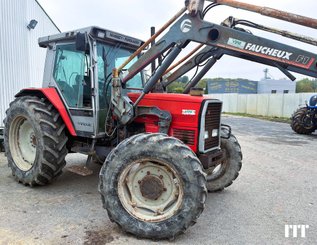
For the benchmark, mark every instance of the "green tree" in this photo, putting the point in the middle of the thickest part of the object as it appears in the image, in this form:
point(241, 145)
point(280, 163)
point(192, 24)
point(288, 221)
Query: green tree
point(184, 79)
point(203, 84)
point(176, 87)
point(306, 85)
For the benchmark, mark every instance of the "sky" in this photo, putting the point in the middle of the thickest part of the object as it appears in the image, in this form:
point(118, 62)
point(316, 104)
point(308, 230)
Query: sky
point(134, 18)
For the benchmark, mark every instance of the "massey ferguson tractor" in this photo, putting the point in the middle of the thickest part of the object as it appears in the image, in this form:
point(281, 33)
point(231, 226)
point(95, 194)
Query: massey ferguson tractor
point(160, 152)
point(304, 120)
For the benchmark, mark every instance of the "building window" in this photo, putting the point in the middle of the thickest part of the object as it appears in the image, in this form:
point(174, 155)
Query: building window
point(285, 91)
point(273, 91)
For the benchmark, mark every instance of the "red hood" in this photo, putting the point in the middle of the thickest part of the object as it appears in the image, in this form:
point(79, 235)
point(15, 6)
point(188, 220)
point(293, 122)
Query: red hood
point(169, 97)
point(185, 110)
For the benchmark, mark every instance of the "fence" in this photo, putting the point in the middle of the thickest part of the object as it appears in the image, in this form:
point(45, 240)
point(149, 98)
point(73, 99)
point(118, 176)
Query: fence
point(278, 105)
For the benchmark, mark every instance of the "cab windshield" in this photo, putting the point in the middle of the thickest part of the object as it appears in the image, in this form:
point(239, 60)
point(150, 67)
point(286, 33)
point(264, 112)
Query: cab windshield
point(108, 58)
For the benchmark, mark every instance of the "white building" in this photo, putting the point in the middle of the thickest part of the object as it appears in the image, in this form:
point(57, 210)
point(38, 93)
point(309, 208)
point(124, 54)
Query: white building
point(270, 86)
point(21, 59)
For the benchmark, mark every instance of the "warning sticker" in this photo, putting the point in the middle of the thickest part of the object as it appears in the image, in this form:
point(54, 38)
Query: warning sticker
point(189, 112)
point(236, 43)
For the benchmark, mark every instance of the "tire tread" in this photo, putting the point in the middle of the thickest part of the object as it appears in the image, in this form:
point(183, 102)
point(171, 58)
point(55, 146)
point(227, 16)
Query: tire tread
point(54, 138)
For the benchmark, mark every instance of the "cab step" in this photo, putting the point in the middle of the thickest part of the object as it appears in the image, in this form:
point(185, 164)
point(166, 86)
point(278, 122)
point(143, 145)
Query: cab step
point(80, 170)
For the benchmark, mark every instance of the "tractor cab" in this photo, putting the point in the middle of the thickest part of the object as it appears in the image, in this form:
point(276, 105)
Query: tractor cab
point(79, 65)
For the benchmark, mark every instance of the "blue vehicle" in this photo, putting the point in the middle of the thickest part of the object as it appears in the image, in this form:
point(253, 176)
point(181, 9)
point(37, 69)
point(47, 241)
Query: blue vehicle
point(304, 120)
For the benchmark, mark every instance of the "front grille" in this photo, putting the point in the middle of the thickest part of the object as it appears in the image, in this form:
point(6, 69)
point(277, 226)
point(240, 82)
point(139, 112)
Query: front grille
point(187, 136)
point(212, 121)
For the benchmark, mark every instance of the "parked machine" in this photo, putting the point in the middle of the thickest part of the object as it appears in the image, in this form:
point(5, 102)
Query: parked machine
point(1, 140)
point(304, 120)
point(160, 152)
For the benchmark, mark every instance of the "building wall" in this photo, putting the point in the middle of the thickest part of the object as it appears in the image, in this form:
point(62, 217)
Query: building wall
point(266, 86)
point(21, 59)
point(276, 105)
point(241, 87)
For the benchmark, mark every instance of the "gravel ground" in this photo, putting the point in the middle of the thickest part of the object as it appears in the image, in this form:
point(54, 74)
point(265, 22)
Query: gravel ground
point(277, 187)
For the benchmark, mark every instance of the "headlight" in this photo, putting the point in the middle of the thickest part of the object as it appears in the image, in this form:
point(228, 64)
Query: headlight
point(206, 135)
point(215, 133)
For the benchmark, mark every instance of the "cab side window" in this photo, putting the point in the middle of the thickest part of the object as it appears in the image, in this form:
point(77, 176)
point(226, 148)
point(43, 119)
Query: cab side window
point(71, 74)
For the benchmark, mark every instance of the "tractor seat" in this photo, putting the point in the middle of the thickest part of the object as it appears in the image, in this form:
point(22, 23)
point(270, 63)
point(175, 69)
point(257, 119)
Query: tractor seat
point(84, 95)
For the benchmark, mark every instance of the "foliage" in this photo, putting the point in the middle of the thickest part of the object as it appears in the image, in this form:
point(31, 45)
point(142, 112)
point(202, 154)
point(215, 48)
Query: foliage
point(179, 85)
point(176, 87)
point(221, 79)
point(306, 85)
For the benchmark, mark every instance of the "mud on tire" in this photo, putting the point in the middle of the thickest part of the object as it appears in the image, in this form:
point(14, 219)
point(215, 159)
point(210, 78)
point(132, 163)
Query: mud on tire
point(225, 173)
point(156, 154)
point(300, 123)
point(34, 140)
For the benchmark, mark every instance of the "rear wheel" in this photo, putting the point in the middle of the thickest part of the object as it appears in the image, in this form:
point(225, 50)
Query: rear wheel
point(227, 171)
point(34, 140)
point(302, 122)
point(153, 186)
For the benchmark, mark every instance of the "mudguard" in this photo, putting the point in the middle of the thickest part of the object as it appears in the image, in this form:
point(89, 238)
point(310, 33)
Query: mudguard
point(53, 96)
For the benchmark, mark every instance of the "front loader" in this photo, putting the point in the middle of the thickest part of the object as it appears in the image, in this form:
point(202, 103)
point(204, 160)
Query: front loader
point(160, 152)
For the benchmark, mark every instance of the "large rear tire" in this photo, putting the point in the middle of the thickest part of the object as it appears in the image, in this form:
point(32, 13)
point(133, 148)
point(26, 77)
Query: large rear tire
point(153, 186)
point(227, 171)
point(34, 140)
point(301, 122)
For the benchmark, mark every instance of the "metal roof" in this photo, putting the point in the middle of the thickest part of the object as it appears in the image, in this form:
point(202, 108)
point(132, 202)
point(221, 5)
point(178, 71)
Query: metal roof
point(97, 32)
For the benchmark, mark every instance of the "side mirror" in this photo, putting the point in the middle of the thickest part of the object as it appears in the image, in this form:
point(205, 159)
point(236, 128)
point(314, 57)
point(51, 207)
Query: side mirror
point(81, 42)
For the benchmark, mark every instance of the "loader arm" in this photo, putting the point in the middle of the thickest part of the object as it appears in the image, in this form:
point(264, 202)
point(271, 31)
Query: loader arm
point(192, 28)
point(234, 43)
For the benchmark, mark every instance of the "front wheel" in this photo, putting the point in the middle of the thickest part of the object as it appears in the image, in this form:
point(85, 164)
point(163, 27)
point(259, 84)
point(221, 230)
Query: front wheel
point(153, 186)
point(302, 121)
point(227, 171)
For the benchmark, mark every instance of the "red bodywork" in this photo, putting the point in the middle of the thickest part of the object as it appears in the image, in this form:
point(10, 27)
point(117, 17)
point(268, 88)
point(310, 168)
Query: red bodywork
point(52, 95)
point(185, 111)
point(180, 106)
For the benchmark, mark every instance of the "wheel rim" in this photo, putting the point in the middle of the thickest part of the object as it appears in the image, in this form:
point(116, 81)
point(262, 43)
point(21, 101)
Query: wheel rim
point(150, 190)
point(23, 142)
point(307, 122)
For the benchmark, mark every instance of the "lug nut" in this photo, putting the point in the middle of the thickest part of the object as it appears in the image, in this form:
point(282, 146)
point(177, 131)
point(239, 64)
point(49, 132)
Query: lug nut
point(148, 172)
point(161, 176)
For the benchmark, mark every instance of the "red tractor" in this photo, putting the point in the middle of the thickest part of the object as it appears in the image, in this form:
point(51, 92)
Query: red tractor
point(160, 152)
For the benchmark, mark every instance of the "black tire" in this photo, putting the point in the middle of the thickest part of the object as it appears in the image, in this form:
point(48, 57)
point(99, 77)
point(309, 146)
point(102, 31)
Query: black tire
point(1, 140)
point(180, 158)
point(48, 140)
point(1, 147)
point(302, 124)
point(225, 173)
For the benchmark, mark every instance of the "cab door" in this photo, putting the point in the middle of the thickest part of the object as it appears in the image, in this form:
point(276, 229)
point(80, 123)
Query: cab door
point(72, 76)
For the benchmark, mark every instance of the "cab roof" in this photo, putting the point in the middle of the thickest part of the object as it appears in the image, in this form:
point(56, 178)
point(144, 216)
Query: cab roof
point(94, 31)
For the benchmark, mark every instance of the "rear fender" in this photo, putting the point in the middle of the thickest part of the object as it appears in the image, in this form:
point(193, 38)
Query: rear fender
point(52, 95)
